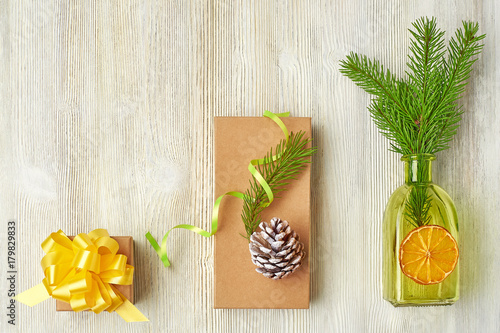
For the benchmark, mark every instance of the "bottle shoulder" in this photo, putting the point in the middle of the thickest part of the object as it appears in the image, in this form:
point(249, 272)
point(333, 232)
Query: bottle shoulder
point(441, 195)
point(398, 197)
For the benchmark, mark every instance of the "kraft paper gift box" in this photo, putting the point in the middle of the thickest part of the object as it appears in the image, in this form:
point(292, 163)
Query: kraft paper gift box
point(238, 140)
point(126, 244)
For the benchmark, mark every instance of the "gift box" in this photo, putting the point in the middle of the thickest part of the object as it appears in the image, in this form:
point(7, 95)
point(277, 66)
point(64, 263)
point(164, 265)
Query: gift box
point(237, 141)
point(126, 244)
point(87, 271)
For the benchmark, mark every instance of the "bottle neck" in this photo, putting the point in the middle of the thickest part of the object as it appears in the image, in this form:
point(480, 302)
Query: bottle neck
point(418, 168)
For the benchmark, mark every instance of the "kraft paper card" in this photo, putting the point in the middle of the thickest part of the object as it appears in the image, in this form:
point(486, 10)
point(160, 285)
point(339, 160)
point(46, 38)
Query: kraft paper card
point(238, 140)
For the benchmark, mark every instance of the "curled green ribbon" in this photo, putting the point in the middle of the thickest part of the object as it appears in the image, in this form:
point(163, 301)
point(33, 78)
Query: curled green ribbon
point(162, 251)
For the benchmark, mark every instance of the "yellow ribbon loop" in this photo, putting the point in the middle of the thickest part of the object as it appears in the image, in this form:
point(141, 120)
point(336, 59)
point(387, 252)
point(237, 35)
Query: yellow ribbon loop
point(82, 273)
point(162, 250)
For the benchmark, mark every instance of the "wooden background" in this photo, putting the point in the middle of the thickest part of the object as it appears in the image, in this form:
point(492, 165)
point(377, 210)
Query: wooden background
point(107, 119)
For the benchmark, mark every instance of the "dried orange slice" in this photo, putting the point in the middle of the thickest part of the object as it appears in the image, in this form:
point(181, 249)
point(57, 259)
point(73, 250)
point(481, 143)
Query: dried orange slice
point(428, 254)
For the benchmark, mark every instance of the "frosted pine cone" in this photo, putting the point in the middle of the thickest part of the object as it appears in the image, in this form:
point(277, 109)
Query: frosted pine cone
point(276, 249)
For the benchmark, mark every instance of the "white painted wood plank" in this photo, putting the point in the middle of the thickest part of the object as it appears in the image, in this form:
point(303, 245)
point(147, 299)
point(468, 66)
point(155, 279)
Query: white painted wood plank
point(107, 112)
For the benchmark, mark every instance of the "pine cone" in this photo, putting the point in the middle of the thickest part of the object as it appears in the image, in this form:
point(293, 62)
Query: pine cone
point(276, 249)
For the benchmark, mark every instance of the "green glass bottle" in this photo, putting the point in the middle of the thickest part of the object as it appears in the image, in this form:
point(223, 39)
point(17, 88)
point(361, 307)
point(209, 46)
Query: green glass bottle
point(418, 203)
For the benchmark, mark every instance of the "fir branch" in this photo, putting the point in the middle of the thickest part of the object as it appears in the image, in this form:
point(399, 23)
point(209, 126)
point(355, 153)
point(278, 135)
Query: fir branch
point(292, 159)
point(419, 114)
point(388, 110)
point(425, 61)
point(463, 47)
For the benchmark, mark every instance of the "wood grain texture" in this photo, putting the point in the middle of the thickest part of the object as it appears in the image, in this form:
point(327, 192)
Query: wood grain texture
point(107, 120)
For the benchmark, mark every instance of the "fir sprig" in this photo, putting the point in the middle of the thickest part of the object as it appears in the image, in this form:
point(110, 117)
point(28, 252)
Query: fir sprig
point(292, 158)
point(419, 114)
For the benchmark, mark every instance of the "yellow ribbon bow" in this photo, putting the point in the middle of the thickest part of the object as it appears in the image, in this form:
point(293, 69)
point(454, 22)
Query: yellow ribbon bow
point(82, 273)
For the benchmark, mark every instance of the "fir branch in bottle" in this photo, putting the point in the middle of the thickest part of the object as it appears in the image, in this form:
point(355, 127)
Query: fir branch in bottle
point(420, 113)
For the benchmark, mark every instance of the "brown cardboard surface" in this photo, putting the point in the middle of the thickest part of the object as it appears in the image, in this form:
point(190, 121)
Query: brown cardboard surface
point(237, 140)
point(126, 244)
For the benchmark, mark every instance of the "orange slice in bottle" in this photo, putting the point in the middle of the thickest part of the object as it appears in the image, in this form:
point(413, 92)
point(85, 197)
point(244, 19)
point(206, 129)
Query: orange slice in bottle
point(428, 254)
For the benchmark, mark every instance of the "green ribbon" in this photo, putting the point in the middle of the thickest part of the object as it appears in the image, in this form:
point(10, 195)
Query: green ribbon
point(162, 251)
